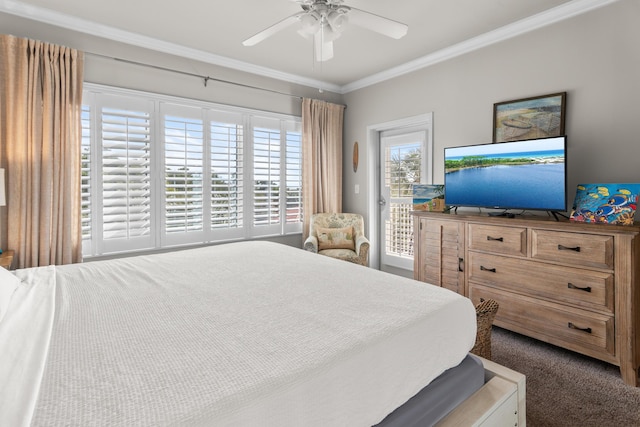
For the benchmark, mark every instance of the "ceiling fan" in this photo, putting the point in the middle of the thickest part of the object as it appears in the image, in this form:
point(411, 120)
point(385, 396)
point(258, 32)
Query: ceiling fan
point(324, 20)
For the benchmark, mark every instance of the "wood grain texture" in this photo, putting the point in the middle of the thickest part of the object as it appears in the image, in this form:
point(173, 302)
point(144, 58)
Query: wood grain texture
point(6, 259)
point(356, 156)
point(440, 252)
point(571, 284)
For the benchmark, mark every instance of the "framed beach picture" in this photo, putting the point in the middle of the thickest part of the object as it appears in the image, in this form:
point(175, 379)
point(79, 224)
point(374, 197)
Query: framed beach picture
point(529, 118)
point(606, 203)
point(428, 197)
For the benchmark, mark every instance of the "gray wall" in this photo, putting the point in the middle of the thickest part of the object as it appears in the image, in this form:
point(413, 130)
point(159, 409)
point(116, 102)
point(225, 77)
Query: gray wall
point(594, 57)
point(120, 74)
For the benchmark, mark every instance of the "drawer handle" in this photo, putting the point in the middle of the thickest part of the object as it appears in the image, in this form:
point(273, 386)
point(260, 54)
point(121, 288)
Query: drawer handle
point(460, 264)
point(495, 239)
point(572, 286)
point(572, 326)
point(566, 248)
point(491, 270)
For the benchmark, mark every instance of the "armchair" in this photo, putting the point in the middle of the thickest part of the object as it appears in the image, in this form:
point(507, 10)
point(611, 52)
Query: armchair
point(338, 235)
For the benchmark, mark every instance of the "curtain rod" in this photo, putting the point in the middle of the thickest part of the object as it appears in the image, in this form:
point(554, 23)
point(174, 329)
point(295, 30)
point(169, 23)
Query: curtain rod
point(206, 79)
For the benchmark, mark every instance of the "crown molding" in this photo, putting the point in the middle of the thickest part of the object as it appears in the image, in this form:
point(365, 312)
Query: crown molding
point(542, 19)
point(69, 22)
point(548, 17)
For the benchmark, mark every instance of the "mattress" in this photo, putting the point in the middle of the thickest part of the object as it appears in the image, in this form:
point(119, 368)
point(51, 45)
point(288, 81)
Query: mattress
point(249, 333)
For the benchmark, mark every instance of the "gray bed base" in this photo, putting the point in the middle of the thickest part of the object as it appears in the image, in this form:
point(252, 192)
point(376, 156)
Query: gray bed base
point(440, 397)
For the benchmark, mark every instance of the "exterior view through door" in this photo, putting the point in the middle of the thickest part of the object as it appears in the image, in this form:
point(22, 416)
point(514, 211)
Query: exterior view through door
point(402, 157)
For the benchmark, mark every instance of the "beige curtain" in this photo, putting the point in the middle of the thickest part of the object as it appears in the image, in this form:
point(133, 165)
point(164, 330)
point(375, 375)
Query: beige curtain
point(321, 159)
point(40, 107)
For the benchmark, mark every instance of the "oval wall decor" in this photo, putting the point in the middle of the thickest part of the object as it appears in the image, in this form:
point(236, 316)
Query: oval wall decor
point(355, 156)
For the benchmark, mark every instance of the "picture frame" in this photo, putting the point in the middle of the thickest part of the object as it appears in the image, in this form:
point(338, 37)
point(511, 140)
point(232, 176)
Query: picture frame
point(529, 118)
point(602, 203)
point(428, 197)
point(355, 156)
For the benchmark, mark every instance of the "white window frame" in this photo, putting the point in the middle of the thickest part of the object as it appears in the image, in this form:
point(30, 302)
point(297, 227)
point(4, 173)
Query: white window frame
point(160, 106)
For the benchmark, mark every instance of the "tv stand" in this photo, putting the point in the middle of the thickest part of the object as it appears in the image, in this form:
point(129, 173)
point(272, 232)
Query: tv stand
point(555, 215)
point(571, 284)
point(502, 214)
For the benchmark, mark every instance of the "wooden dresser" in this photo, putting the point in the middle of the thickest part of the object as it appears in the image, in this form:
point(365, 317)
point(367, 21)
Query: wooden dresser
point(570, 284)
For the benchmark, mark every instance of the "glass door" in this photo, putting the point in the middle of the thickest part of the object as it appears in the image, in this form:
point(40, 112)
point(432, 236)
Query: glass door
point(403, 165)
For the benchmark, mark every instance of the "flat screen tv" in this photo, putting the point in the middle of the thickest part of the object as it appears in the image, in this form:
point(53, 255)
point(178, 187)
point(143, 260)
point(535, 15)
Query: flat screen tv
point(526, 175)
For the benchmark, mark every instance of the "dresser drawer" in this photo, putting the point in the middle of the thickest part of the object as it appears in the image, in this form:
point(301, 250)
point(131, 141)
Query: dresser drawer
point(500, 240)
point(565, 285)
point(573, 248)
point(579, 330)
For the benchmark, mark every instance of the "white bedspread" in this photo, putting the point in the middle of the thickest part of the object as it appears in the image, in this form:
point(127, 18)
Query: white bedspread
point(243, 334)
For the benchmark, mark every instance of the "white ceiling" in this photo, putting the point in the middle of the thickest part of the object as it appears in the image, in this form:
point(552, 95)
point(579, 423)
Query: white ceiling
point(213, 31)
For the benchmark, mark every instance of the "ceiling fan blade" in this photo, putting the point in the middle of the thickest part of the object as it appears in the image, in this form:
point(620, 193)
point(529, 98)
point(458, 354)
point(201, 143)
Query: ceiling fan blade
point(379, 24)
point(268, 32)
point(323, 49)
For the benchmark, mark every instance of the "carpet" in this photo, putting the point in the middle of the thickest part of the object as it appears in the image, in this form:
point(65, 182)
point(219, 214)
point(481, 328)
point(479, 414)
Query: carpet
point(564, 388)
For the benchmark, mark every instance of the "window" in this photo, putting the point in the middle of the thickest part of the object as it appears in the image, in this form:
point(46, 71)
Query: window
point(293, 215)
point(266, 178)
point(184, 167)
point(227, 165)
point(126, 174)
point(160, 171)
point(86, 174)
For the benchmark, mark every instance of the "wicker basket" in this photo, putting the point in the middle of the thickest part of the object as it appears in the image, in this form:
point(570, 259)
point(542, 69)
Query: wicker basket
point(485, 313)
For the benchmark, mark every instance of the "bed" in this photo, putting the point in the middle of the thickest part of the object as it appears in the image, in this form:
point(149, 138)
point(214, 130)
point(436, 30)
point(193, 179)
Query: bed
point(241, 334)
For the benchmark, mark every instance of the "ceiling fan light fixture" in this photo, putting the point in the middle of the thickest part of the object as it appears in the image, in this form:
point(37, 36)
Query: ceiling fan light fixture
point(324, 21)
point(309, 24)
point(328, 34)
point(337, 20)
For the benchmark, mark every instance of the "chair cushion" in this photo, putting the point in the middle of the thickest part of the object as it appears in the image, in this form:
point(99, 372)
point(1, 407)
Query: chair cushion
point(342, 254)
point(336, 238)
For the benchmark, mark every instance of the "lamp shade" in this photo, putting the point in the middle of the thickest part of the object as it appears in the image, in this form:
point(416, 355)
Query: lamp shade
point(3, 199)
point(337, 20)
point(310, 24)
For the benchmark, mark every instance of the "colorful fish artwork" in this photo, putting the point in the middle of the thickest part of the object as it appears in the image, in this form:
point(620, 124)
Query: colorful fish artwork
point(606, 203)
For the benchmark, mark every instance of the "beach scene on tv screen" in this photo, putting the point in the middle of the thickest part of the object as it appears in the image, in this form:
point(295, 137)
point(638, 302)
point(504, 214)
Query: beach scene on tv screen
point(518, 175)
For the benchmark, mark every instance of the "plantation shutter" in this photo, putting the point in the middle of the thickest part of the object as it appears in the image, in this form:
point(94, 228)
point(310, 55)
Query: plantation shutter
point(293, 178)
point(227, 159)
point(160, 172)
point(267, 156)
point(85, 183)
point(184, 172)
point(403, 166)
point(126, 178)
